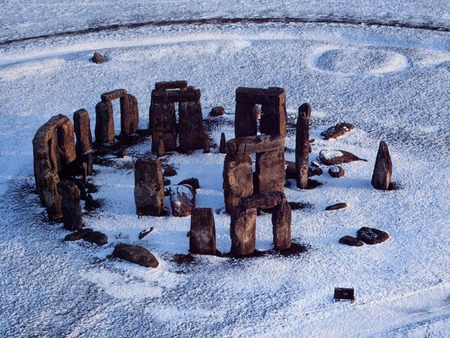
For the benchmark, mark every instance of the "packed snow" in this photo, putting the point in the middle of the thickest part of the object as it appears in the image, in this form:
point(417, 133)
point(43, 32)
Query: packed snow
point(392, 83)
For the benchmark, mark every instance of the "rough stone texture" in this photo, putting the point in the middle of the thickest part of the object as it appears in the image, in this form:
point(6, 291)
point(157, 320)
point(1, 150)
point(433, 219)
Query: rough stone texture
point(270, 171)
point(352, 241)
point(163, 125)
point(336, 206)
point(135, 254)
point(76, 236)
point(82, 126)
point(182, 200)
point(170, 171)
point(217, 111)
point(145, 232)
point(237, 179)
point(70, 205)
point(243, 232)
point(281, 221)
point(314, 171)
point(245, 122)
point(193, 182)
point(104, 122)
point(371, 235)
point(161, 149)
point(96, 237)
point(149, 187)
point(263, 201)
point(129, 115)
point(114, 94)
point(202, 239)
point(98, 58)
point(189, 94)
point(302, 147)
point(336, 171)
point(255, 144)
point(206, 144)
point(223, 144)
point(337, 131)
point(190, 129)
point(53, 151)
point(334, 157)
point(165, 85)
point(382, 171)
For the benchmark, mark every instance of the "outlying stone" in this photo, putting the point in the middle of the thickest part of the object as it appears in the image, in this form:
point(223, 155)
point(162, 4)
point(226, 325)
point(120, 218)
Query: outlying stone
point(371, 235)
point(76, 236)
point(202, 239)
point(182, 200)
point(352, 241)
point(336, 171)
point(382, 172)
point(98, 58)
point(217, 111)
point(96, 237)
point(135, 254)
point(333, 157)
point(337, 131)
point(336, 206)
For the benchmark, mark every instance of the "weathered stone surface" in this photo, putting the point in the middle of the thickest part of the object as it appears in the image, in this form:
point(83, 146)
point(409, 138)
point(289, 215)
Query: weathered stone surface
point(371, 235)
point(135, 254)
point(190, 129)
point(382, 171)
point(333, 157)
point(145, 232)
point(243, 232)
point(189, 94)
point(336, 206)
point(96, 237)
point(149, 187)
point(217, 111)
point(82, 126)
point(237, 179)
point(182, 200)
point(98, 58)
point(262, 201)
point(272, 96)
point(336, 171)
point(76, 236)
point(281, 221)
point(255, 144)
point(70, 206)
point(314, 171)
point(352, 241)
point(270, 171)
point(170, 171)
point(161, 149)
point(165, 85)
point(104, 122)
point(202, 239)
point(223, 144)
point(291, 171)
point(163, 125)
point(114, 94)
point(337, 131)
point(193, 182)
point(245, 121)
point(91, 203)
point(129, 115)
point(206, 144)
point(302, 147)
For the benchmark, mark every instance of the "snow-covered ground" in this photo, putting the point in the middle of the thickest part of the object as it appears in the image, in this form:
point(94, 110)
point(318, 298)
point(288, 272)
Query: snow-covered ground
point(392, 83)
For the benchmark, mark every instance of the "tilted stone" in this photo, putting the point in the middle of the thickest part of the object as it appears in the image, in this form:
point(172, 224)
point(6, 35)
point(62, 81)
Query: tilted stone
point(114, 94)
point(82, 126)
point(149, 187)
point(382, 171)
point(202, 239)
point(171, 85)
point(254, 144)
point(270, 171)
point(243, 232)
point(281, 221)
point(262, 201)
point(237, 179)
point(302, 147)
point(104, 122)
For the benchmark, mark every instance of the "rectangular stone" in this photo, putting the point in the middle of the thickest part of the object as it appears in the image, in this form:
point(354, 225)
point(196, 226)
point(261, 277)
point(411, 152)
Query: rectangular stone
point(255, 144)
point(202, 239)
point(171, 96)
point(112, 95)
point(171, 85)
point(273, 96)
point(264, 201)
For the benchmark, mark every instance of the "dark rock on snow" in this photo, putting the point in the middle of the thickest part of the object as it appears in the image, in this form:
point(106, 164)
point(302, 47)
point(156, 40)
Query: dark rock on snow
point(98, 58)
point(352, 241)
point(96, 237)
point(371, 235)
point(193, 182)
point(76, 236)
point(336, 171)
point(336, 206)
point(382, 172)
point(217, 111)
point(336, 131)
point(135, 254)
point(333, 157)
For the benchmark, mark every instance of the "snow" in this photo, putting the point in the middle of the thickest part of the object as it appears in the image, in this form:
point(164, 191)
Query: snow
point(391, 82)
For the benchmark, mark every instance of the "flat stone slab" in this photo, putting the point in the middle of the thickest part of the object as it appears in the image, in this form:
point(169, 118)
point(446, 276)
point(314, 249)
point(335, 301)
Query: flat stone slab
point(76, 236)
point(337, 131)
point(254, 144)
point(333, 157)
point(352, 241)
point(135, 254)
point(114, 94)
point(371, 235)
point(336, 206)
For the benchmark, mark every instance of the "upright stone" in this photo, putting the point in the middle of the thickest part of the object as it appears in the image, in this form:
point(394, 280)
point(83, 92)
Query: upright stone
point(129, 115)
point(202, 238)
point(206, 144)
point(161, 149)
point(382, 172)
point(243, 232)
point(163, 124)
point(270, 171)
point(104, 122)
point(190, 126)
point(71, 208)
point(237, 179)
point(182, 200)
point(223, 144)
point(281, 221)
point(302, 146)
point(82, 126)
point(148, 187)
point(245, 122)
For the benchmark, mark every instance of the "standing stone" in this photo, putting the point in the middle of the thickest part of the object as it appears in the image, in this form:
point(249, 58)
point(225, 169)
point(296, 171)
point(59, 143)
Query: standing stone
point(237, 179)
point(270, 171)
point(148, 187)
point(190, 126)
point(202, 238)
point(163, 124)
point(206, 144)
point(129, 115)
point(82, 126)
point(245, 123)
point(302, 147)
point(382, 172)
point(161, 149)
point(223, 144)
point(104, 122)
point(281, 221)
point(243, 232)
point(98, 58)
point(71, 208)
point(182, 200)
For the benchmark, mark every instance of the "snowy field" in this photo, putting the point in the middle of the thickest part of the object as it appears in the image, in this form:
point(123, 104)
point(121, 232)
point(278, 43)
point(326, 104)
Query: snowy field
point(393, 83)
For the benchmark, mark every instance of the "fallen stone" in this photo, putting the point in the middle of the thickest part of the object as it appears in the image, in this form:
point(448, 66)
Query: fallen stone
point(336, 206)
point(169, 171)
point(80, 234)
point(98, 58)
point(202, 236)
point(337, 131)
point(217, 111)
point(382, 172)
point(182, 200)
point(135, 254)
point(263, 201)
point(371, 235)
point(336, 171)
point(333, 157)
point(145, 232)
point(193, 182)
point(352, 241)
point(96, 237)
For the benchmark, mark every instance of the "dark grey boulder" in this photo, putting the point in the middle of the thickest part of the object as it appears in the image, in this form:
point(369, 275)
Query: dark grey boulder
point(333, 157)
point(135, 254)
point(337, 131)
point(96, 237)
point(76, 236)
point(352, 241)
point(371, 235)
